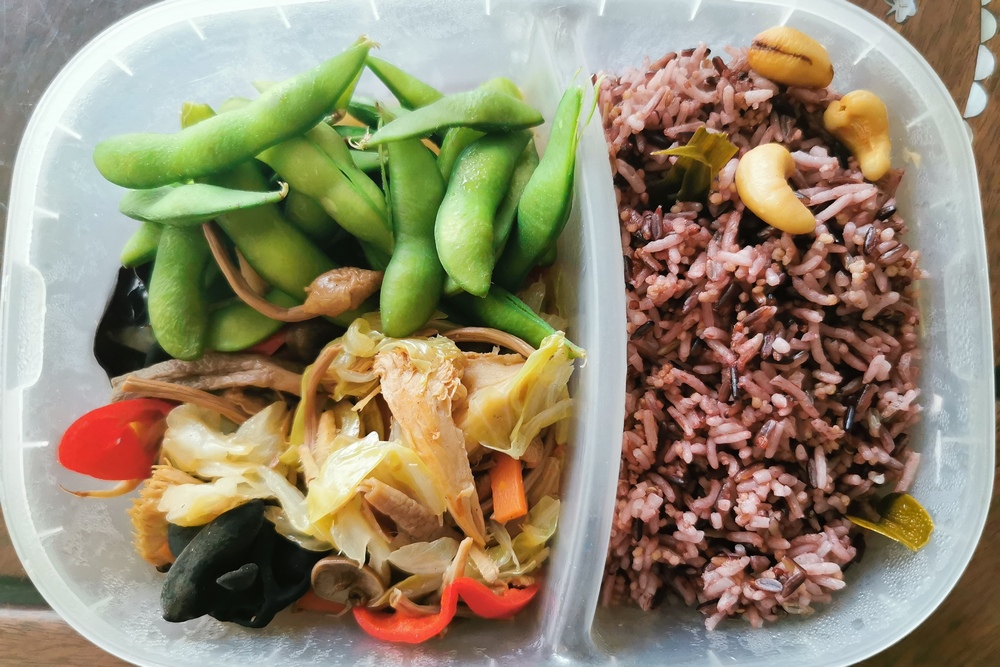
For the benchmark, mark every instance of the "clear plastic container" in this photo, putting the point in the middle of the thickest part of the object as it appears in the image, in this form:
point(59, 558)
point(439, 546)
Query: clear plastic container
point(64, 235)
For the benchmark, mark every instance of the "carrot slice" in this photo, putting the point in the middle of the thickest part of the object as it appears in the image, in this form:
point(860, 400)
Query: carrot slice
point(507, 482)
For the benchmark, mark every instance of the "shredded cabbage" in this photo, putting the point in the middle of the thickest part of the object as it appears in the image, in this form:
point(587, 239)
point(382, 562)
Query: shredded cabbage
point(197, 504)
point(528, 550)
point(357, 536)
point(195, 439)
point(427, 558)
point(389, 462)
point(413, 587)
point(341, 474)
point(537, 529)
point(507, 416)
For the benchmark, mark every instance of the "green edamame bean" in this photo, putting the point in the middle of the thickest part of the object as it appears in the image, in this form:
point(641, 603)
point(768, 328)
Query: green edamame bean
point(414, 276)
point(177, 310)
point(345, 97)
point(276, 250)
point(279, 252)
point(504, 311)
point(351, 132)
point(147, 160)
point(309, 217)
point(309, 170)
point(411, 92)
point(364, 109)
point(480, 109)
point(331, 143)
point(547, 198)
point(549, 257)
point(366, 161)
point(141, 246)
point(463, 232)
point(192, 204)
point(456, 139)
point(503, 222)
point(236, 326)
point(336, 149)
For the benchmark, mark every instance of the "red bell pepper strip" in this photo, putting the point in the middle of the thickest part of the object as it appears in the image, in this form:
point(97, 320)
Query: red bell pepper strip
point(119, 441)
point(486, 603)
point(269, 345)
point(395, 626)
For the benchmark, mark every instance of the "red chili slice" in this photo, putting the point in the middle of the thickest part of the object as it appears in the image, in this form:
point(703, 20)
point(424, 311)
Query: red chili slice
point(486, 603)
point(118, 441)
point(270, 345)
point(395, 626)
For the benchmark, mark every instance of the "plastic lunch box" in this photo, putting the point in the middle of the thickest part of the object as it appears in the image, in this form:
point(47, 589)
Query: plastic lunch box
point(64, 235)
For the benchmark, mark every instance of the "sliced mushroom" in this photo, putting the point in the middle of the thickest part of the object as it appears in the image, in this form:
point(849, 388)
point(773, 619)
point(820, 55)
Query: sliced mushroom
point(341, 580)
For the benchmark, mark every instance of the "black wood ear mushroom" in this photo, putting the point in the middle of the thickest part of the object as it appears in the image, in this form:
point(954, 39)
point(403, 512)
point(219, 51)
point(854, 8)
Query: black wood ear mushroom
point(236, 569)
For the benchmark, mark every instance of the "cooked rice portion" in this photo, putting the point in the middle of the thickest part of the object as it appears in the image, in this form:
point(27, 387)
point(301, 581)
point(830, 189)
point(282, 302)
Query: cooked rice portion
point(772, 379)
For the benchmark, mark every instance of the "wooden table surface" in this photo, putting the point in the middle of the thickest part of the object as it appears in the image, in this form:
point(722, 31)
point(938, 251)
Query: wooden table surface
point(964, 631)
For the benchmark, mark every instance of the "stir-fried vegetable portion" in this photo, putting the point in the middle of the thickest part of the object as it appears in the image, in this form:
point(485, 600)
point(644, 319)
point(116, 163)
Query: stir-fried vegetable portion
point(402, 477)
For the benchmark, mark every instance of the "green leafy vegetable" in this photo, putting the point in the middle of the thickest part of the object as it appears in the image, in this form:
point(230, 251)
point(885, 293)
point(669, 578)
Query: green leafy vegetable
point(697, 164)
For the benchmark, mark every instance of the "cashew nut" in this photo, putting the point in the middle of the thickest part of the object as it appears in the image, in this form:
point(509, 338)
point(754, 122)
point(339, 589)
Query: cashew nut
point(786, 55)
point(762, 183)
point(861, 121)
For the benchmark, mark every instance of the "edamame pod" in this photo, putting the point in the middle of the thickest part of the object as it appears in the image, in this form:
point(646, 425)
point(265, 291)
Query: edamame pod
point(336, 149)
point(276, 250)
point(502, 310)
point(147, 160)
point(331, 143)
point(366, 161)
point(141, 246)
point(309, 170)
point(192, 204)
point(503, 222)
point(351, 132)
point(177, 311)
point(345, 97)
point(236, 326)
point(309, 217)
point(547, 199)
point(480, 109)
point(463, 232)
point(549, 257)
point(456, 139)
point(414, 275)
point(364, 110)
point(411, 92)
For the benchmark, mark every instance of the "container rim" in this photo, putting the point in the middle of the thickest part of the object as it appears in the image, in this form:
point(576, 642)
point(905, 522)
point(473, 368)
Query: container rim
point(135, 27)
